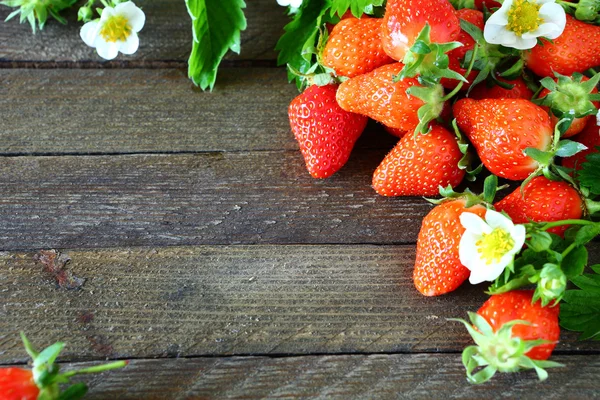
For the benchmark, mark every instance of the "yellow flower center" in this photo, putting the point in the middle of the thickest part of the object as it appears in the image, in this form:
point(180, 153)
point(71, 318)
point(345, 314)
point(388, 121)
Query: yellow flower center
point(523, 17)
point(115, 29)
point(492, 246)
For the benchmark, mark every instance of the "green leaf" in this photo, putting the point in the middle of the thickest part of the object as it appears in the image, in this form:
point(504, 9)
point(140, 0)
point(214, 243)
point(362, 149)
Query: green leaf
point(300, 35)
point(589, 175)
point(74, 392)
point(587, 234)
point(216, 27)
point(49, 354)
point(539, 241)
point(358, 7)
point(568, 148)
point(574, 262)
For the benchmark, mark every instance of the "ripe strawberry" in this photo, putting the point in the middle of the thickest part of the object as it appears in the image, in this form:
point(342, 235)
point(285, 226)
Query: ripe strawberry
point(354, 47)
point(543, 200)
point(325, 133)
point(438, 269)
point(456, 56)
point(576, 50)
point(517, 305)
point(500, 129)
point(590, 137)
point(487, 3)
point(519, 90)
point(17, 384)
point(420, 164)
point(330, 26)
point(404, 20)
point(377, 96)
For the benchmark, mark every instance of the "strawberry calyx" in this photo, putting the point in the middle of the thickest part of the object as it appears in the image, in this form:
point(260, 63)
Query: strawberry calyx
point(47, 376)
point(491, 60)
point(486, 198)
point(570, 96)
point(583, 10)
point(466, 161)
point(499, 351)
point(428, 61)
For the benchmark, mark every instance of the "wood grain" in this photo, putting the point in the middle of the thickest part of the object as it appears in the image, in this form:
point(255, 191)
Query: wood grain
point(233, 300)
point(166, 37)
point(147, 111)
point(191, 199)
point(397, 376)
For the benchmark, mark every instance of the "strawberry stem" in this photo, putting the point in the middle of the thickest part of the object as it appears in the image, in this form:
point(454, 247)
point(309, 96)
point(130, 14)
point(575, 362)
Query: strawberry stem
point(96, 368)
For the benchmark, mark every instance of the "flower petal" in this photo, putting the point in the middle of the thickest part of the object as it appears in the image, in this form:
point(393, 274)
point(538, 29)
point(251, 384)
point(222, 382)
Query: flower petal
point(107, 12)
point(500, 17)
point(518, 235)
point(473, 223)
point(522, 43)
point(131, 45)
point(497, 220)
point(89, 32)
point(134, 15)
point(107, 50)
point(467, 250)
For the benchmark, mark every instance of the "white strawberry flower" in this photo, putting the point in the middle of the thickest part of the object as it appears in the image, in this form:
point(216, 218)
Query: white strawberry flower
point(291, 3)
point(115, 31)
point(488, 247)
point(518, 23)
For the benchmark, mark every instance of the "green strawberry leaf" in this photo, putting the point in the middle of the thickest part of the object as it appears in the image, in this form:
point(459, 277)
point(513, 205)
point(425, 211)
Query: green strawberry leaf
point(568, 148)
point(216, 27)
point(358, 7)
point(589, 175)
point(574, 262)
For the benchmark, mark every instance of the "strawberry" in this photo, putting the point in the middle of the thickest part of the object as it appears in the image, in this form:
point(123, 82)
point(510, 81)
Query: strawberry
point(378, 97)
point(512, 333)
point(354, 47)
point(419, 165)
point(17, 384)
point(570, 96)
point(590, 137)
point(325, 133)
point(501, 129)
point(456, 56)
point(404, 20)
point(576, 50)
point(517, 305)
point(543, 200)
point(489, 4)
point(438, 269)
point(330, 26)
point(518, 91)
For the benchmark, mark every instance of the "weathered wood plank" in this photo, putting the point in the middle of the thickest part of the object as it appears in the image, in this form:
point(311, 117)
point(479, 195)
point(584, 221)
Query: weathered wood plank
point(215, 300)
point(166, 37)
point(133, 111)
point(191, 199)
point(397, 376)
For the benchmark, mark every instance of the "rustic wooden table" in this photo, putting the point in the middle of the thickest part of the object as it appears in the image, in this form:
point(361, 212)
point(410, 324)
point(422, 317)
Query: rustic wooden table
point(210, 257)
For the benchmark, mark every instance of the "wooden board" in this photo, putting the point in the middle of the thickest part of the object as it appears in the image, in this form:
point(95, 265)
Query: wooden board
point(227, 300)
point(404, 376)
point(165, 40)
point(190, 199)
point(148, 111)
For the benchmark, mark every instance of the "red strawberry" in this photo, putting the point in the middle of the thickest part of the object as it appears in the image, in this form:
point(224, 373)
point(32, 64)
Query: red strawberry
point(517, 305)
point(330, 26)
point(17, 384)
point(487, 3)
point(456, 56)
point(377, 96)
point(404, 20)
point(438, 269)
point(576, 50)
point(519, 90)
point(354, 47)
point(500, 129)
point(419, 165)
point(326, 133)
point(543, 200)
point(590, 137)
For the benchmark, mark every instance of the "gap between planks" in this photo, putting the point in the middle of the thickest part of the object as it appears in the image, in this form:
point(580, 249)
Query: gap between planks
point(414, 376)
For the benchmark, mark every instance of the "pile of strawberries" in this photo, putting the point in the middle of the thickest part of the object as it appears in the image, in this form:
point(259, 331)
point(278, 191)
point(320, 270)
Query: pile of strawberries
point(406, 72)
